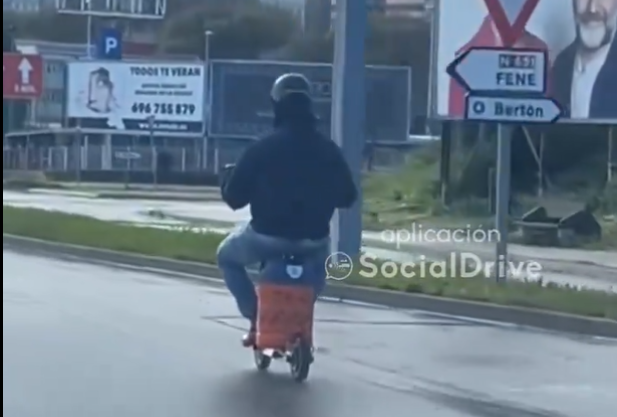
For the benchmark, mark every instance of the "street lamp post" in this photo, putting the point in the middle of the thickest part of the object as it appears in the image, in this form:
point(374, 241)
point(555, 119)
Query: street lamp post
point(77, 139)
point(208, 96)
point(612, 137)
point(208, 35)
point(89, 29)
point(154, 165)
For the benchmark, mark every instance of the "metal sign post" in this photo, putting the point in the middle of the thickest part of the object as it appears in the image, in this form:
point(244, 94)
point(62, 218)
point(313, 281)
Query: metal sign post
point(502, 198)
point(611, 151)
point(506, 86)
point(348, 114)
point(129, 156)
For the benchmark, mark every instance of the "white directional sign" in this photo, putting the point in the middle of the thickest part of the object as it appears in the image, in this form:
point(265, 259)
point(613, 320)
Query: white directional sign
point(511, 109)
point(498, 69)
point(127, 155)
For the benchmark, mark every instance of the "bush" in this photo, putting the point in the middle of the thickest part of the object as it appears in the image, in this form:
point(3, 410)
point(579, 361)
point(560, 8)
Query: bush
point(241, 31)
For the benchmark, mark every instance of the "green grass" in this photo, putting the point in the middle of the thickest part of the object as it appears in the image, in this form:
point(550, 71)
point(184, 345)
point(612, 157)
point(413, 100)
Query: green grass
point(396, 200)
point(27, 184)
point(81, 230)
point(111, 193)
point(609, 237)
point(608, 207)
point(65, 228)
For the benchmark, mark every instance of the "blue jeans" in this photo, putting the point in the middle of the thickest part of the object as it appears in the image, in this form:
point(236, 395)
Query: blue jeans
point(245, 247)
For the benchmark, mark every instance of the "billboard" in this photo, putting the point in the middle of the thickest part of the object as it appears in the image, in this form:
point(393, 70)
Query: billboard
point(241, 104)
point(122, 96)
point(579, 36)
point(124, 9)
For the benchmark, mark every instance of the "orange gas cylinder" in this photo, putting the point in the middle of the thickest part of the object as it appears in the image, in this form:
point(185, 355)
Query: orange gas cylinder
point(285, 312)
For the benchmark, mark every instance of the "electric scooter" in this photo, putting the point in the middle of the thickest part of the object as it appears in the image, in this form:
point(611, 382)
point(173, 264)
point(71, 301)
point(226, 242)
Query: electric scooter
point(286, 292)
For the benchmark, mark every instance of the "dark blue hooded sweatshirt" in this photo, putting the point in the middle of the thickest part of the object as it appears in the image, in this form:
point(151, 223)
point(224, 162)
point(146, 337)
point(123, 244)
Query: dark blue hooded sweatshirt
point(294, 178)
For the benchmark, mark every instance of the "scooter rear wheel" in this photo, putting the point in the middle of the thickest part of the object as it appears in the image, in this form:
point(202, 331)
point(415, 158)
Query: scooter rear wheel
point(262, 362)
point(301, 360)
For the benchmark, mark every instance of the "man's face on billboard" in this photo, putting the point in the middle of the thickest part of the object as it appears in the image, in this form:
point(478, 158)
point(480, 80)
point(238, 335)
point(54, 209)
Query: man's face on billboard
point(596, 20)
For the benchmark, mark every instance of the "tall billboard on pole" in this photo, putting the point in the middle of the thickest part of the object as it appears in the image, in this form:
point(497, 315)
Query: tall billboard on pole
point(241, 108)
point(123, 96)
point(580, 41)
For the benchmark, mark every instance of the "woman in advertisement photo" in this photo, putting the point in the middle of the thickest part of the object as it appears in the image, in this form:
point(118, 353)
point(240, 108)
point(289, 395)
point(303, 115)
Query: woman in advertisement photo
point(101, 97)
point(579, 36)
point(97, 101)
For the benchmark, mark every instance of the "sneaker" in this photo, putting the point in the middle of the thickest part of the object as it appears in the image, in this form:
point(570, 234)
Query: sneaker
point(250, 339)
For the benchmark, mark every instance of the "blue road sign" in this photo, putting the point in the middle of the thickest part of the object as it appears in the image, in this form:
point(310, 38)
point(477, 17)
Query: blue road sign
point(109, 44)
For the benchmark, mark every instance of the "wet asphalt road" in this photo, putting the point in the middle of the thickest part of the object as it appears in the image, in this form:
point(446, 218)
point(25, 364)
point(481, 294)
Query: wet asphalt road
point(95, 341)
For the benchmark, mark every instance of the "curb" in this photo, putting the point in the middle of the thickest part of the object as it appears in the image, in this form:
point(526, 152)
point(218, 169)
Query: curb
point(62, 193)
point(155, 197)
point(115, 195)
point(513, 315)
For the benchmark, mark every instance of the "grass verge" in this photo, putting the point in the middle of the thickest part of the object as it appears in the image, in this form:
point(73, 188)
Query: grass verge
point(398, 199)
point(27, 184)
point(65, 228)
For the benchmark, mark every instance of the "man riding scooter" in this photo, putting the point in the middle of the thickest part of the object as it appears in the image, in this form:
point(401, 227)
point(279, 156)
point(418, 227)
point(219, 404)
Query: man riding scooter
point(293, 179)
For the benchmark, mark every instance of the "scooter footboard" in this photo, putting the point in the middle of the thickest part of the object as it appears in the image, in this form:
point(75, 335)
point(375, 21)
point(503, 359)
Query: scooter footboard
point(285, 312)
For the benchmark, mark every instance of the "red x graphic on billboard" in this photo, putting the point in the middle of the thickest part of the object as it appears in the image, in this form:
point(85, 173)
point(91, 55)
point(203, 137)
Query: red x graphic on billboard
point(511, 17)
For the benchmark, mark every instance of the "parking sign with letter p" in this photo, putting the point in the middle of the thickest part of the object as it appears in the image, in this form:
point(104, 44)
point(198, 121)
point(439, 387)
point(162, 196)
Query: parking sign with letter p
point(109, 44)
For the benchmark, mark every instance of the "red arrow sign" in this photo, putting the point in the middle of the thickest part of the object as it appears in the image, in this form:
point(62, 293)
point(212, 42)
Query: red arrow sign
point(22, 76)
point(511, 17)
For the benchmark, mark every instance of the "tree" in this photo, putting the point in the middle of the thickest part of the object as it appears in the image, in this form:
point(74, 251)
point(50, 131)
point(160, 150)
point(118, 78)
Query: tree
point(241, 30)
point(390, 41)
point(48, 26)
point(244, 28)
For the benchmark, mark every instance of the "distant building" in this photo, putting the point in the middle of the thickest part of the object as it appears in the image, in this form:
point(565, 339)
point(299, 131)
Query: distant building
point(119, 8)
point(319, 14)
point(406, 8)
point(25, 6)
point(387, 6)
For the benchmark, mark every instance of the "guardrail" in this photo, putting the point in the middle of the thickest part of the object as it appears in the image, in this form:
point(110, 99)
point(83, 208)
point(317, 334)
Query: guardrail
point(147, 159)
